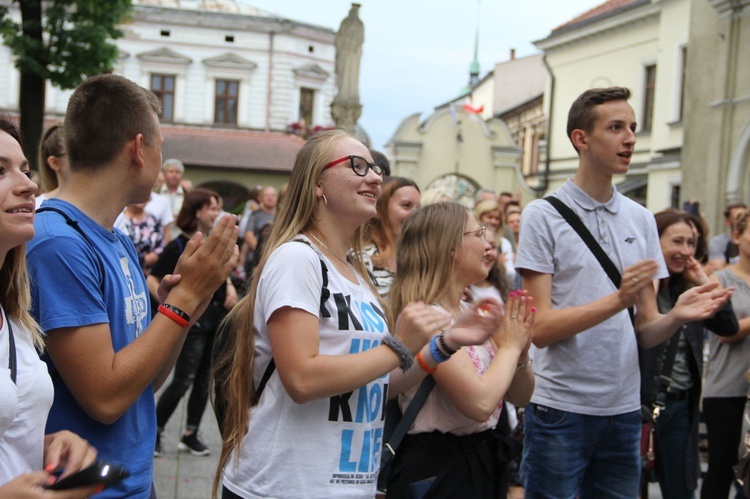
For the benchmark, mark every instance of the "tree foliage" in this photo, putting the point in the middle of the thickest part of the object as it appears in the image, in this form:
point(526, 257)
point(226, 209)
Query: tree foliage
point(62, 41)
point(77, 41)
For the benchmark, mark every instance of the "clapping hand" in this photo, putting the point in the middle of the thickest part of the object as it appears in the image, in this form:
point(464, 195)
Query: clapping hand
point(475, 325)
point(518, 323)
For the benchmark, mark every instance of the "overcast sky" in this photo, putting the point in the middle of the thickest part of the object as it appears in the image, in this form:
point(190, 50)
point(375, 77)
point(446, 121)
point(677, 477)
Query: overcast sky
point(417, 52)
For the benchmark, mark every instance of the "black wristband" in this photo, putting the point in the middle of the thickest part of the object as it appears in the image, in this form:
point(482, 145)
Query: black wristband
point(177, 311)
point(443, 346)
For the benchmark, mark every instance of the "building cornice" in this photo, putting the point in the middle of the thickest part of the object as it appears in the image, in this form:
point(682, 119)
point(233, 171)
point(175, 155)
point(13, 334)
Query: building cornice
point(229, 60)
point(312, 71)
point(228, 21)
point(728, 7)
point(164, 54)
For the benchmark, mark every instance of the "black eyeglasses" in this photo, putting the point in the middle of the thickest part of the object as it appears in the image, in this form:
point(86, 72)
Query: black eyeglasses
point(481, 233)
point(359, 165)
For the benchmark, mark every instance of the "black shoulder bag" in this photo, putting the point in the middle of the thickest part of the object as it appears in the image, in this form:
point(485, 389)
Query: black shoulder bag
point(395, 429)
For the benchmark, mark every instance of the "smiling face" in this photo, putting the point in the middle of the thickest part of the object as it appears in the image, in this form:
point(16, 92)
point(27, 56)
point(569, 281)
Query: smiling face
point(471, 254)
point(677, 245)
point(492, 219)
point(349, 196)
point(402, 203)
point(608, 147)
point(16, 196)
point(206, 216)
point(490, 251)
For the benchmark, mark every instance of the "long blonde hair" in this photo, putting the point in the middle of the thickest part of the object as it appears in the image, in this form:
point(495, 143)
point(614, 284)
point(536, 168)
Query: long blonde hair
point(425, 254)
point(232, 370)
point(15, 297)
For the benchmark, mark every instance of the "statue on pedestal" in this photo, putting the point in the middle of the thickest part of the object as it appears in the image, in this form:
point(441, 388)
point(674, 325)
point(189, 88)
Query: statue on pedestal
point(346, 108)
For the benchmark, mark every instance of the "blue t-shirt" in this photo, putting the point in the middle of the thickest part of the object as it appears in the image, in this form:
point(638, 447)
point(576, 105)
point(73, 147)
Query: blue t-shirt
point(68, 290)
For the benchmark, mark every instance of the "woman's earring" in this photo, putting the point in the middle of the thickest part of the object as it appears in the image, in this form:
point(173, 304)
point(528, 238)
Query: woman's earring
point(325, 201)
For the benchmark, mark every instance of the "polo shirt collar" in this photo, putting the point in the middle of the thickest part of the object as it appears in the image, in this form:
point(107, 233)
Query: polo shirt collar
point(582, 199)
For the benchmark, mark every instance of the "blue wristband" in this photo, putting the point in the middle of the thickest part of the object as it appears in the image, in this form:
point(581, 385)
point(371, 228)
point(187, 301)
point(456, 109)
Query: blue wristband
point(435, 352)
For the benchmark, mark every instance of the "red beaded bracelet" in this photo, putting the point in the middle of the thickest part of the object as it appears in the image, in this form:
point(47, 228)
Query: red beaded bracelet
point(175, 314)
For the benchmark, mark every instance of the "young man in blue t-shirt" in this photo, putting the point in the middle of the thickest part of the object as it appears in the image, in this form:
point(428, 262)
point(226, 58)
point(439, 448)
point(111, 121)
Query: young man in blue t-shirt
point(106, 356)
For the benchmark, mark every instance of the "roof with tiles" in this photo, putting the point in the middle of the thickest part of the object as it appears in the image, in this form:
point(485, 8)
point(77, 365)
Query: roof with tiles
point(607, 9)
point(231, 148)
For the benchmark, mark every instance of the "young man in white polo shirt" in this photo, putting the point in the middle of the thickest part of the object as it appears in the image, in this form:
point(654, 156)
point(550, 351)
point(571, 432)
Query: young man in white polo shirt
point(583, 425)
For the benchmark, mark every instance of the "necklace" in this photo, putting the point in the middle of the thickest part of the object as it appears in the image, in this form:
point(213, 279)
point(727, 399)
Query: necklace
point(349, 265)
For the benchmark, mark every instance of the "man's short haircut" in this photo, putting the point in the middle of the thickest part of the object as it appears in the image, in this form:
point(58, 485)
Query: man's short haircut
point(104, 113)
point(731, 207)
point(582, 114)
point(173, 163)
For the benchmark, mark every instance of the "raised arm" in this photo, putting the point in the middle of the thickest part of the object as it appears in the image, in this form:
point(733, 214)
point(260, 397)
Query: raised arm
point(553, 325)
point(106, 383)
point(478, 396)
point(698, 303)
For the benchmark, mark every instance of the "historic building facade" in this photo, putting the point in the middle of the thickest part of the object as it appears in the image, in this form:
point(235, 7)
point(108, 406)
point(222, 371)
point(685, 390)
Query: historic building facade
point(716, 153)
point(639, 44)
point(232, 79)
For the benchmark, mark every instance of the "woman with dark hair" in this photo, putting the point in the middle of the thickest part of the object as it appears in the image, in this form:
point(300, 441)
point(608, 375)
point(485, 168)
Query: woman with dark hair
point(26, 389)
point(199, 211)
point(398, 198)
point(676, 428)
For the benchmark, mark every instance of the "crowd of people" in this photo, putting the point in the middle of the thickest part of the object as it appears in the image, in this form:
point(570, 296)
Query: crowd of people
point(566, 323)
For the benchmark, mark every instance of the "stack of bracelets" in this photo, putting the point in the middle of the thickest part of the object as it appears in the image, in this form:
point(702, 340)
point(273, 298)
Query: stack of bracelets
point(175, 314)
point(439, 350)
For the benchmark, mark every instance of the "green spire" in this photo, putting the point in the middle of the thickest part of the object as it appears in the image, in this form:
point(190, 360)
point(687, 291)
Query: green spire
point(474, 67)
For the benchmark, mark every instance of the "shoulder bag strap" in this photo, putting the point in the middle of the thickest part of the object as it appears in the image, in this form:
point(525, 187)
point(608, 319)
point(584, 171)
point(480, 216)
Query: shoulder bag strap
point(606, 263)
point(270, 368)
point(12, 357)
point(77, 227)
point(325, 293)
point(665, 377)
point(406, 421)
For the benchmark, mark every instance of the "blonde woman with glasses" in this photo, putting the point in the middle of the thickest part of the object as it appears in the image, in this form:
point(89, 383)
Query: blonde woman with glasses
point(309, 360)
point(451, 449)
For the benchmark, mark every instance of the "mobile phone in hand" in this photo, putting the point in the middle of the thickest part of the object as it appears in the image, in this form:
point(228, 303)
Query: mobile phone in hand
point(99, 473)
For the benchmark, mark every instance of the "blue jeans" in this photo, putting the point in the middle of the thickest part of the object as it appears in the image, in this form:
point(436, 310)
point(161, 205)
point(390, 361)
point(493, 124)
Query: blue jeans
point(672, 436)
point(569, 455)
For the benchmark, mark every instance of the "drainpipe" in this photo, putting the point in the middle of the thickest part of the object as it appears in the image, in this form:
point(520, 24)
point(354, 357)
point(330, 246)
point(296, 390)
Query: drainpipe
point(548, 161)
point(268, 82)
